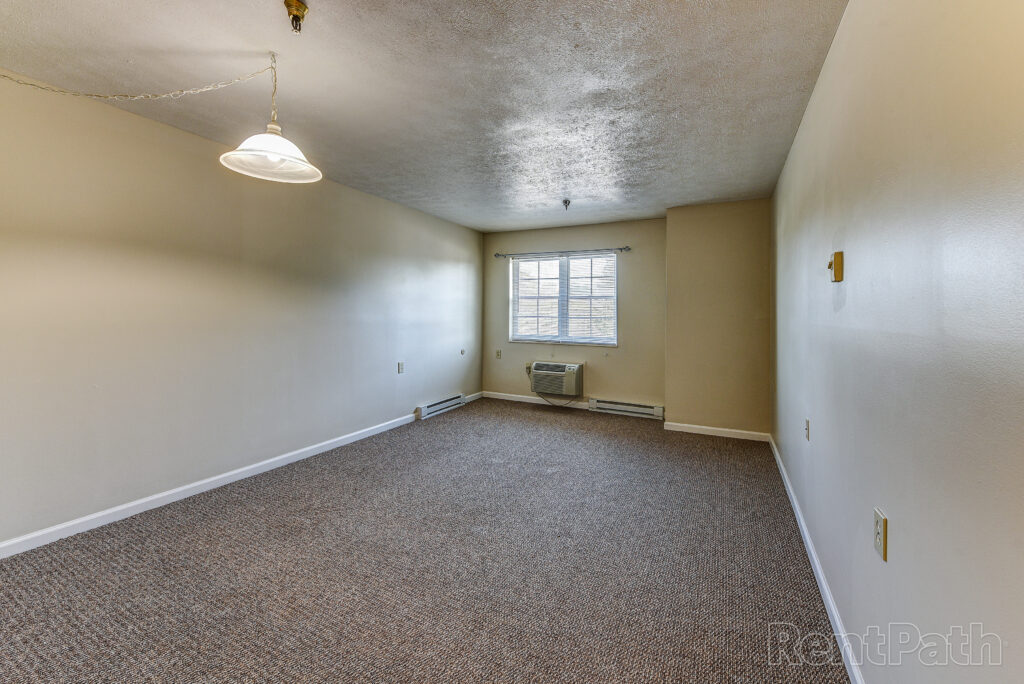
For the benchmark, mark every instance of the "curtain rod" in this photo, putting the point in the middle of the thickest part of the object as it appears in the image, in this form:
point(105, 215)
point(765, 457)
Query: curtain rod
point(499, 255)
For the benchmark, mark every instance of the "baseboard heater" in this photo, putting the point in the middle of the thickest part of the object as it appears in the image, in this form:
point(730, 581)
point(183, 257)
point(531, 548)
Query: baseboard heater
point(626, 409)
point(428, 410)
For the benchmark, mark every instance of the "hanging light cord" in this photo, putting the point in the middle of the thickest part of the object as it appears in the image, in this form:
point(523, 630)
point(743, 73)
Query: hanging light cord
point(174, 94)
point(273, 93)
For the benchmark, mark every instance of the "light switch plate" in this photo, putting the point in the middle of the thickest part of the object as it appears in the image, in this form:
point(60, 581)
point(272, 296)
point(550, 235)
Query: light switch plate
point(881, 532)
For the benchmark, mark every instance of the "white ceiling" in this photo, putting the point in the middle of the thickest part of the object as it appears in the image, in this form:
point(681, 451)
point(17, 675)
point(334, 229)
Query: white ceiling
point(483, 113)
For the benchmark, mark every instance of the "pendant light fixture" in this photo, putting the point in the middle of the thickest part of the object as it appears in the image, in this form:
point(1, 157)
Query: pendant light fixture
point(270, 155)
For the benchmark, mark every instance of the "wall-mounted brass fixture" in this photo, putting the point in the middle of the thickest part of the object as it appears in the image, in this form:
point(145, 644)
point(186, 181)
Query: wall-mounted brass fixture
point(297, 11)
point(835, 264)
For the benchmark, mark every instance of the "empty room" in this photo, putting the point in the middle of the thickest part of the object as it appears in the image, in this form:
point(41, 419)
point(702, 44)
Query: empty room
point(454, 341)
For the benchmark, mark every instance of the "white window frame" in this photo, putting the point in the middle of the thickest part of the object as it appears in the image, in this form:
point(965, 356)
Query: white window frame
point(563, 336)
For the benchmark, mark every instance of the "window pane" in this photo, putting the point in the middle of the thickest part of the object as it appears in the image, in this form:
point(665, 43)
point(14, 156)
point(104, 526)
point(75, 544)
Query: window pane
point(549, 268)
point(579, 287)
point(528, 288)
point(566, 298)
point(603, 327)
point(547, 307)
point(603, 307)
point(526, 326)
point(527, 307)
point(549, 288)
point(579, 268)
point(579, 307)
point(548, 326)
point(579, 327)
point(604, 287)
point(604, 266)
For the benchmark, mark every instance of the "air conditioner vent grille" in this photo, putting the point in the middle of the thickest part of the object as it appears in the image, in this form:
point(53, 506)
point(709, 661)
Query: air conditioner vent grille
point(550, 384)
point(549, 367)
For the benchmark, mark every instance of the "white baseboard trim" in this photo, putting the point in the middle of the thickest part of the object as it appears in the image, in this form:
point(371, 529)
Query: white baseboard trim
point(32, 540)
point(473, 397)
point(719, 432)
point(526, 399)
point(846, 647)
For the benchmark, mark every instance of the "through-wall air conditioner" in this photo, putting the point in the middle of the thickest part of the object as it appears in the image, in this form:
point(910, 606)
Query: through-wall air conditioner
point(547, 377)
point(624, 408)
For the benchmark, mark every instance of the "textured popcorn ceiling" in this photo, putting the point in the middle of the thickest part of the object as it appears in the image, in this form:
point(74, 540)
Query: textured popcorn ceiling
point(484, 113)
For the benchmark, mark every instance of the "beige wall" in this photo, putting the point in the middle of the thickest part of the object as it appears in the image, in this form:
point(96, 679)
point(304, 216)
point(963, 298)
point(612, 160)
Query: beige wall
point(633, 371)
point(910, 159)
point(717, 353)
point(163, 319)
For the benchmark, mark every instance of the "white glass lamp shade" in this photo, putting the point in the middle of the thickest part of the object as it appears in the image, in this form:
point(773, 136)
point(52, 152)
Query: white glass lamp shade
point(273, 157)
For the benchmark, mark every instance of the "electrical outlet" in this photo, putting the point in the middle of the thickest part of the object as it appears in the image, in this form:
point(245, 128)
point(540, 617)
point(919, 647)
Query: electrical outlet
point(807, 429)
point(881, 534)
point(401, 366)
point(497, 354)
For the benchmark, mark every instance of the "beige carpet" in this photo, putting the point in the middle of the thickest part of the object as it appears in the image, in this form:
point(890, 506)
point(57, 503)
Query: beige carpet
point(497, 542)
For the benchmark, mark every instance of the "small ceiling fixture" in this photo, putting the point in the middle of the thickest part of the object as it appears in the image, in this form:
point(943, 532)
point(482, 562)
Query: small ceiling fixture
point(297, 12)
point(270, 155)
point(566, 203)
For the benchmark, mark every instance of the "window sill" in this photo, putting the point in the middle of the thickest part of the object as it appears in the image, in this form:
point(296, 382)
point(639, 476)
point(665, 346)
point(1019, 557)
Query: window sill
point(564, 343)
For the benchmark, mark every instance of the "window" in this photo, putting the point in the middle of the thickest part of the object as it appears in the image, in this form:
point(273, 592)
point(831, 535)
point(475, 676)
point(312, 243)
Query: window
point(565, 298)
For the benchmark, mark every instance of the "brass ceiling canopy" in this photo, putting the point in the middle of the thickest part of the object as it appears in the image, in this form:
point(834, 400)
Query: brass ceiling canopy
point(297, 12)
